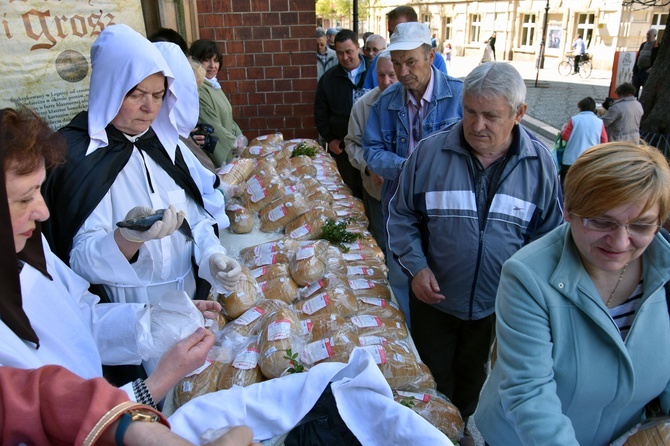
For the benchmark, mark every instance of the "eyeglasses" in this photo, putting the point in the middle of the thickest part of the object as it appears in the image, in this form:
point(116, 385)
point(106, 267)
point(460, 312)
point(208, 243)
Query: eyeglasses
point(609, 225)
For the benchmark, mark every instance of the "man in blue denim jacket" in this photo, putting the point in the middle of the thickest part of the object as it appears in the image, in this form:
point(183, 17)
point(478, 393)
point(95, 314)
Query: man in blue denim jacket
point(422, 102)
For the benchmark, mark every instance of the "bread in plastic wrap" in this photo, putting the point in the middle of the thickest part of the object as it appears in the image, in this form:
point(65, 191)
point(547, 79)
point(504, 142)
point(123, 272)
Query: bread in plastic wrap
point(327, 282)
point(297, 165)
point(397, 363)
point(339, 300)
point(280, 288)
point(281, 331)
point(276, 215)
point(244, 370)
point(237, 172)
point(310, 184)
point(270, 253)
point(652, 432)
point(308, 225)
point(366, 247)
point(335, 261)
point(244, 296)
point(436, 409)
point(370, 288)
point(295, 142)
point(198, 384)
point(382, 308)
point(322, 325)
point(390, 329)
point(309, 262)
point(425, 380)
point(249, 323)
point(321, 194)
point(270, 139)
point(241, 218)
point(336, 347)
point(262, 188)
point(373, 272)
point(267, 272)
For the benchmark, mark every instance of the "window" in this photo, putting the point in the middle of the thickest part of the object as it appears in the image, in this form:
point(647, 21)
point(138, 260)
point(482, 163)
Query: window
point(658, 23)
point(475, 28)
point(447, 28)
point(527, 29)
point(585, 27)
point(426, 19)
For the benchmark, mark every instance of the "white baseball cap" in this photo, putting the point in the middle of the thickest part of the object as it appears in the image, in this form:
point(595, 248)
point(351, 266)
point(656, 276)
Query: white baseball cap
point(409, 36)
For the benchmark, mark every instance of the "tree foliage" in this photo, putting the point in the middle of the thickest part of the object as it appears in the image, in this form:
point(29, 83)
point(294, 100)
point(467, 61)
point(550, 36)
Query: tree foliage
point(342, 9)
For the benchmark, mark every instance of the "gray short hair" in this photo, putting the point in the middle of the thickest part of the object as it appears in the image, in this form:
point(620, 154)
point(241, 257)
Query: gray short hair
point(495, 79)
point(386, 54)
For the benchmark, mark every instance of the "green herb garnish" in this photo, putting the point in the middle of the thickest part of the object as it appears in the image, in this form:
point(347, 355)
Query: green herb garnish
point(293, 360)
point(337, 234)
point(409, 402)
point(304, 149)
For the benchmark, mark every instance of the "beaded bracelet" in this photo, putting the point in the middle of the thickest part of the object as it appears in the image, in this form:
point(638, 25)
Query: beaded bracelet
point(142, 393)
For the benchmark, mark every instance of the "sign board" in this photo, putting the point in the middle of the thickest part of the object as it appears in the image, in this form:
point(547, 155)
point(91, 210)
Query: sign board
point(622, 69)
point(46, 51)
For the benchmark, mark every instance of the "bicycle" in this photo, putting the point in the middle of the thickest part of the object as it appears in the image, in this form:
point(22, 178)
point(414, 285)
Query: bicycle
point(565, 68)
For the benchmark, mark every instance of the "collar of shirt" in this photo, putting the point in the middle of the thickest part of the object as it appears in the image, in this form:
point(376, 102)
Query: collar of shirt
point(413, 106)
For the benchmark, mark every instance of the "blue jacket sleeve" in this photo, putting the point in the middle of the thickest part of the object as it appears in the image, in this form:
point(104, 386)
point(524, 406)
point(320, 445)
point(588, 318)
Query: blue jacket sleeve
point(380, 159)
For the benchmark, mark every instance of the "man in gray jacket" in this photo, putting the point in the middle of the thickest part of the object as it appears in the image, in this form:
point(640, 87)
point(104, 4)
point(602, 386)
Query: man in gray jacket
point(468, 198)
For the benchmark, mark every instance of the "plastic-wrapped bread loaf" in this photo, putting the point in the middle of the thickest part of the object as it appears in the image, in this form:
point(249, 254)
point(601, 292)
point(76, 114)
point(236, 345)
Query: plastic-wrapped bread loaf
point(366, 247)
point(328, 282)
point(323, 325)
point(335, 261)
point(370, 288)
point(281, 331)
point(309, 262)
point(297, 165)
point(271, 253)
point(308, 225)
point(436, 409)
point(280, 288)
point(241, 218)
point(263, 187)
point(334, 348)
point(276, 215)
point(339, 300)
point(390, 329)
point(270, 139)
point(199, 384)
point(244, 370)
point(249, 323)
point(237, 172)
point(397, 363)
point(373, 272)
point(267, 272)
point(243, 297)
point(382, 308)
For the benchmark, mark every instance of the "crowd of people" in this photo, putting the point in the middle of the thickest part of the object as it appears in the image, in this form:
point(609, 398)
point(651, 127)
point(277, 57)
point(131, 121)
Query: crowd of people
point(490, 247)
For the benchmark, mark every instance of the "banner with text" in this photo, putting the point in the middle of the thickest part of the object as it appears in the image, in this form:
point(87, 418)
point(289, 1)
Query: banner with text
point(46, 51)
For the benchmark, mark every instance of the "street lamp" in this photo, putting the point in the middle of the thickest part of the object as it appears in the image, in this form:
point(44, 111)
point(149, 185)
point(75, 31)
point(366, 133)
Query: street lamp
point(540, 63)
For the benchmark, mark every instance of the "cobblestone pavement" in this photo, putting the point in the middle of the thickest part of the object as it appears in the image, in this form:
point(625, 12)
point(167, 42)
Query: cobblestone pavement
point(555, 98)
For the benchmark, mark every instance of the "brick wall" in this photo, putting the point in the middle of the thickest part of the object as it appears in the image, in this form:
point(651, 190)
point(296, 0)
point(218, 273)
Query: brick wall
point(269, 66)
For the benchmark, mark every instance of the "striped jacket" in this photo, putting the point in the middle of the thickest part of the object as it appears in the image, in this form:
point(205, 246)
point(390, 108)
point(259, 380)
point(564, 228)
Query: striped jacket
point(434, 218)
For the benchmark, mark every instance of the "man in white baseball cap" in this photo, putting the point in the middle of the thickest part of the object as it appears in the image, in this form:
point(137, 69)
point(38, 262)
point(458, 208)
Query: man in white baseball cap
point(424, 101)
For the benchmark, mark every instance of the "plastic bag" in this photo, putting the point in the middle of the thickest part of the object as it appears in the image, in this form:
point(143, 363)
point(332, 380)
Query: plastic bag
point(557, 151)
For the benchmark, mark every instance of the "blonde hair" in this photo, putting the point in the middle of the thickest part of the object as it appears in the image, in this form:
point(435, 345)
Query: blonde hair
point(198, 70)
point(614, 174)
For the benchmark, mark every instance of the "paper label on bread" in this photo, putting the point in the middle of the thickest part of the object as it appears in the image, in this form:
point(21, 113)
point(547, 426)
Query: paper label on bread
point(372, 340)
point(316, 303)
point(249, 316)
point(378, 353)
point(364, 321)
point(425, 397)
point(279, 329)
point(246, 359)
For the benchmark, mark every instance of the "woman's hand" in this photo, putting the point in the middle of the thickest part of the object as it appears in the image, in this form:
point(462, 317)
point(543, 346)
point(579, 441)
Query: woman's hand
point(186, 356)
point(210, 309)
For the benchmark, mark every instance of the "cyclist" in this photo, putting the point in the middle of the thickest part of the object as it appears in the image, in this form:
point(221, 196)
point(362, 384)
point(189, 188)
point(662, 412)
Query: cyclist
point(579, 50)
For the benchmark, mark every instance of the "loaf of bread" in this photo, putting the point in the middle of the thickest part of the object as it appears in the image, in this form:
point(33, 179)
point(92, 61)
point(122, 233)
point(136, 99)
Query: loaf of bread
point(276, 215)
point(339, 300)
point(374, 272)
point(280, 288)
point(199, 384)
point(654, 431)
point(244, 370)
point(366, 247)
point(370, 288)
point(397, 363)
point(267, 272)
point(237, 172)
point(424, 380)
point(382, 308)
point(241, 218)
point(280, 332)
point(270, 139)
point(308, 225)
point(335, 348)
point(249, 323)
point(309, 262)
point(335, 261)
point(320, 193)
point(323, 325)
point(390, 329)
point(263, 187)
point(243, 296)
point(297, 165)
point(270, 253)
point(436, 409)
point(328, 282)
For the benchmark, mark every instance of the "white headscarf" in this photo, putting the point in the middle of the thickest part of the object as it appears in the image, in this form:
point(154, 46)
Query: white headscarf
point(121, 58)
point(186, 110)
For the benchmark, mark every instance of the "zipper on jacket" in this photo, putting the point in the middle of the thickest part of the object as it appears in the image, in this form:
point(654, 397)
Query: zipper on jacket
point(476, 274)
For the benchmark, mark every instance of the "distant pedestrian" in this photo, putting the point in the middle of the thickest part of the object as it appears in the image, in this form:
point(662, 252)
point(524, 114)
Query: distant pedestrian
point(492, 43)
point(582, 131)
point(330, 37)
point(433, 41)
point(622, 119)
point(487, 56)
point(447, 52)
point(579, 50)
point(644, 62)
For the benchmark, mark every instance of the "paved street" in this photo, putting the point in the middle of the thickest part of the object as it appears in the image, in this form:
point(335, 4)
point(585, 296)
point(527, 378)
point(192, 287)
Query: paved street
point(555, 98)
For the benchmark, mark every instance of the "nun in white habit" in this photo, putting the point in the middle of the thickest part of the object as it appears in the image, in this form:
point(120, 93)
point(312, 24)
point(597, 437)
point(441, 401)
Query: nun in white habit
point(124, 162)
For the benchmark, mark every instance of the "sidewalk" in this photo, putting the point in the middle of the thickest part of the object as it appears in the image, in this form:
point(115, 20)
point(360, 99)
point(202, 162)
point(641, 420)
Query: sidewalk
point(555, 98)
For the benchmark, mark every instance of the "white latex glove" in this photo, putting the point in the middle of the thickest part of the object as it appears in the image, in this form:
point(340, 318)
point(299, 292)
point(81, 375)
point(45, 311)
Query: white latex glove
point(171, 221)
point(240, 144)
point(229, 191)
point(225, 269)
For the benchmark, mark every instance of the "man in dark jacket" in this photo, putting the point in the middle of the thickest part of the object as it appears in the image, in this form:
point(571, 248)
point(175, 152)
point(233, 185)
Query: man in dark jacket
point(644, 61)
point(335, 95)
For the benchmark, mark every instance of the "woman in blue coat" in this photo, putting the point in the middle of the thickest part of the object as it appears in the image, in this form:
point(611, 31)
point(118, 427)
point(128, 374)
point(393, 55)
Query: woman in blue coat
point(582, 317)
